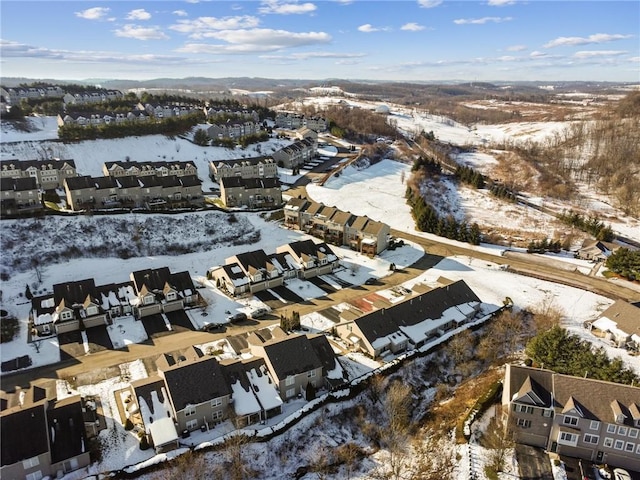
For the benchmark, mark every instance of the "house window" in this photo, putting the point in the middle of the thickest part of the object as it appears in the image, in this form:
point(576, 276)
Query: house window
point(523, 408)
point(148, 300)
point(618, 445)
point(190, 410)
point(567, 438)
point(30, 462)
point(611, 428)
point(633, 433)
point(66, 315)
point(521, 422)
point(192, 424)
point(570, 421)
point(638, 449)
point(34, 475)
point(629, 447)
point(547, 413)
point(291, 380)
point(594, 425)
point(594, 439)
point(608, 442)
point(171, 296)
point(311, 374)
point(217, 415)
point(216, 402)
point(92, 310)
point(291, 392)
point(622, 430)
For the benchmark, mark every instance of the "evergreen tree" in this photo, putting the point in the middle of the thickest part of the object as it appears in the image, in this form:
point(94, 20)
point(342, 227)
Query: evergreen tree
point(28, 293)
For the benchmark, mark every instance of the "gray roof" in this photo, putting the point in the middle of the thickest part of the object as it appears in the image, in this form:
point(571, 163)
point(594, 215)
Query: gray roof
point(250, 183)
point(291, 355)
point(67, 436)
point(195, 382)
point(626, 316)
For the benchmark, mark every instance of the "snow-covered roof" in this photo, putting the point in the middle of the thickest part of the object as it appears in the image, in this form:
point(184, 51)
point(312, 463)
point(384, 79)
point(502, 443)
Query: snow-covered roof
point(264, 388)
point(244, 402)
point(43, 319)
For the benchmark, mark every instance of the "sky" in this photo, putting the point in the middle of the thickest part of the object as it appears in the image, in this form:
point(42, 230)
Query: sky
point(412, 40)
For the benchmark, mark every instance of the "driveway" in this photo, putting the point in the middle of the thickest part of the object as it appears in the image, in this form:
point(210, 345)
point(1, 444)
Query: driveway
point(288, 295)
point(321, 284)
point(70, 345)
point(154, 325)
point(269, 299)
point(99, 339)
point(533, 463)
point(180, 320)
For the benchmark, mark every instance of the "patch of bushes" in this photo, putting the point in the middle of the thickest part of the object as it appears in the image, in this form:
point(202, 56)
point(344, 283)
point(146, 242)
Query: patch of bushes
point(9, 328)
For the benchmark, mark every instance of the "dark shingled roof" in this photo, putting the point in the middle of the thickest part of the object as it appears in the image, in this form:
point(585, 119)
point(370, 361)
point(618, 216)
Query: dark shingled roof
point(23, 433)
point(144, 387)
point(79, 183)
point(291, 355)
point(66, 429)
point(18, 184)
point(540, 380)
point(192, 383)
point(250, 183)
point(190, 181)
point(75, 292)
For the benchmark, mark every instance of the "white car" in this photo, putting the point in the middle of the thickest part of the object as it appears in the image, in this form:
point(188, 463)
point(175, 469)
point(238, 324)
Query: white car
point(621, 474)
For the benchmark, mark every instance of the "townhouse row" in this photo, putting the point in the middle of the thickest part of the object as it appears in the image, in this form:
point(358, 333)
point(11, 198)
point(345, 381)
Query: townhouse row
point(578, 417)
point(254, 271)
point(82, 304)
point(337, 227)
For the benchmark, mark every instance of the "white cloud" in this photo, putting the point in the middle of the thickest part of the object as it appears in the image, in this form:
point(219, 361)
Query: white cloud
point(286, 7)
point(538, 54)
point(256, 41)
point(308, 55)
point(481, 21)
point(501, 3)
point(141, 33)
point(180, 13)
point(595, 38)
point(138, 14)
point(20, 50)
point(598, 53)
point(201, 27)
point(516, 48)
point(95, 13)
point(429, 3)
point(368, 28)
point(412, 27)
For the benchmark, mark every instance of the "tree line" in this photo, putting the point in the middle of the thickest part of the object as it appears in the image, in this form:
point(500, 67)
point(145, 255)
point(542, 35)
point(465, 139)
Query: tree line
point(558, 350)
point(590, 224)
point(625, 263)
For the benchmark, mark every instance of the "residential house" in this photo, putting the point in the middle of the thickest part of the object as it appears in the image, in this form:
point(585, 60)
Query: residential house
point(411, 323)
point(198, 391)
point(308, 133)
point(597, 251)
point(96, 96)
point(19, 196)
point(116, 299)
point(292, 363)
point(250, 192)
point(262, 272)
point(41, 436)
point(143, 191)
point(315, 123)
point(578, 417)
point(258, 167)
point(48, 174)
point(233, 130)
point(337, 227)
point(158, 290)
point(296, 154)
point(77, 305)
point(290, 121)
point(14, 96)
point(620, 325)
point(211, 112)
point(332, 372)
point(254, 395)
point(41, 315)
point(311, 259)
point(155, 413)
point(138, 169)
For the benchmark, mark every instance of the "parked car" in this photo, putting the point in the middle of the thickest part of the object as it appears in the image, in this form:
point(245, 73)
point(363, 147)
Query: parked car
point(259, 312)
point(238, 317)
point(621, 474)
point(371, 281)
point(213, 328)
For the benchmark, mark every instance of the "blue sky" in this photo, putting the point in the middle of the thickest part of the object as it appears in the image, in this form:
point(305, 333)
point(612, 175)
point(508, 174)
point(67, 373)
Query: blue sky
point(406, 40)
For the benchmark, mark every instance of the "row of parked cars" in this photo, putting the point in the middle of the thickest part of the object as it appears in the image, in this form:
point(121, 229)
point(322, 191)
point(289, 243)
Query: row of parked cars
point(236, 318)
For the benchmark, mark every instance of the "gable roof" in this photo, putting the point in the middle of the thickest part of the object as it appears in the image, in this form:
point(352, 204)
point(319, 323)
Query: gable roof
point(291, 355)
point(67, 437)
point(625, 315)
point(195, 382)
point(526, 383)
point(23, 433)
point(250, 183)
point(75, 293)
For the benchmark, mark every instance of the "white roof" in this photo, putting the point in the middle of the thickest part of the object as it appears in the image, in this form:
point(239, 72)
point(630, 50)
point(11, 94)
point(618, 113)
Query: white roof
point(163, 431)
point(244, 403)
point(43, 319)
point(265, 388)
